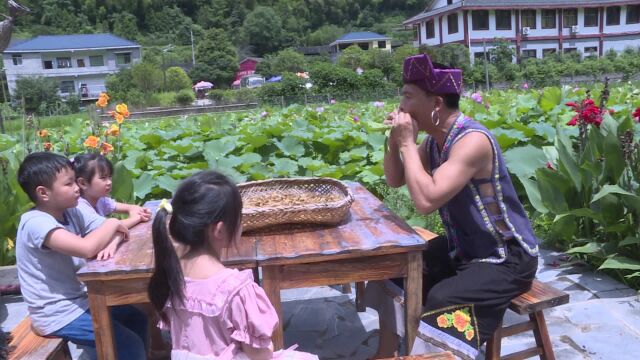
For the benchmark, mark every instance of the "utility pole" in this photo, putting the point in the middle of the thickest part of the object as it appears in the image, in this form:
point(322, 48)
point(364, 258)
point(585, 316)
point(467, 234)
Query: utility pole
point(193, 53)
point(164, 68)
point(486, 69)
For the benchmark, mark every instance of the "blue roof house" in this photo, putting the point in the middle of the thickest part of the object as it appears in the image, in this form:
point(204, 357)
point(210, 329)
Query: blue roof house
point(79, 63)
point(365, 40)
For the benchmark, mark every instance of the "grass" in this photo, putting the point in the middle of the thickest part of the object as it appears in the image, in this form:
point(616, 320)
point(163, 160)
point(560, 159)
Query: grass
point(14, 126)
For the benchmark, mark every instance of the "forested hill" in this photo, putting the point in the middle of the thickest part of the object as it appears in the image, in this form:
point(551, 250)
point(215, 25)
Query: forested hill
point(257, 26)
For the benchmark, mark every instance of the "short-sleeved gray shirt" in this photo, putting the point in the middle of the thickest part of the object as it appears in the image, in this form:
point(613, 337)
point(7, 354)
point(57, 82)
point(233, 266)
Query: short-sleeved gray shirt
point(48, 281)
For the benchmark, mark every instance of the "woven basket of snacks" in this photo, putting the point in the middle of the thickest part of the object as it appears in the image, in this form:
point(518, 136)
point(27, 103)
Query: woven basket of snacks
point(273, 202)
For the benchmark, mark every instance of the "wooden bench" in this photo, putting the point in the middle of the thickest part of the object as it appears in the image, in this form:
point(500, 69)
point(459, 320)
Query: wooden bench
point(532, 303)
point(435, 356)
point(26, 345)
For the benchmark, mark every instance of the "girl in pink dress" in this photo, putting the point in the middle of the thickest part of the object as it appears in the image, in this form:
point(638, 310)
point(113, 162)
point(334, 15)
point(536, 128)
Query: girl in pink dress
point(212, 312)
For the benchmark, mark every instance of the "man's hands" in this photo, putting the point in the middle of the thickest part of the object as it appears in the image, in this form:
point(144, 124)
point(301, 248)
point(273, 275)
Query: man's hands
point(404, 129)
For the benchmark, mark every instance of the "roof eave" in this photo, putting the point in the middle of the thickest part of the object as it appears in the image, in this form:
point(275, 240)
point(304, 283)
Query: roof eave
point(12, 51)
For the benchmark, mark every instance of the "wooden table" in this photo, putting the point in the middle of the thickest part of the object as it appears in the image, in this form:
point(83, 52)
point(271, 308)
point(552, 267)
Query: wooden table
point(371, 244)
point(123, 279)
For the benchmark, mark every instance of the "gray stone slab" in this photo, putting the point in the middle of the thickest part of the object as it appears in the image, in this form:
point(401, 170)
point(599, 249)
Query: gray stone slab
point(8, 275)
point(596, 281)
point(617, 294)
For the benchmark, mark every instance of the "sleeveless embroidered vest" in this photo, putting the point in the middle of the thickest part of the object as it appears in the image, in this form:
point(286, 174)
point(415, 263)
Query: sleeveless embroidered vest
point(471, 228)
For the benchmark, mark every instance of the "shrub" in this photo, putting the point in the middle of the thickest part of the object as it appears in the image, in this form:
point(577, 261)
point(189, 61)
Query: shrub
point(185, 97)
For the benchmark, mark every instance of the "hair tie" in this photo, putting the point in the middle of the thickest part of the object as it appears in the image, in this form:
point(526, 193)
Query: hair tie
point(166, 205)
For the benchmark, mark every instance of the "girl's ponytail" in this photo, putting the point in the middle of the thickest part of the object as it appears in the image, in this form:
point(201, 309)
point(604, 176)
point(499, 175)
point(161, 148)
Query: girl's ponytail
point(167, 280)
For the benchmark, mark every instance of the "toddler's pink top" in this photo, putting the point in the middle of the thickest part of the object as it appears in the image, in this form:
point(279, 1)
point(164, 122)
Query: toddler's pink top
point(218, 314)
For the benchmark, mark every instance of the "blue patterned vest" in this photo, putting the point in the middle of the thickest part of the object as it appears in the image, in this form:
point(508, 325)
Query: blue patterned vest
point(471, 228)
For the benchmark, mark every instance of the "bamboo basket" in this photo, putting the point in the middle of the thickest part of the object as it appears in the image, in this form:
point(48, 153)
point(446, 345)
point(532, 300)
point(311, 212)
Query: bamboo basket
point(327, 201)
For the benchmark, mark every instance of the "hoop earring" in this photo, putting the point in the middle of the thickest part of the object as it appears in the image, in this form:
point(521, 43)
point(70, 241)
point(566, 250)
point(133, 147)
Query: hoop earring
point(436, 122)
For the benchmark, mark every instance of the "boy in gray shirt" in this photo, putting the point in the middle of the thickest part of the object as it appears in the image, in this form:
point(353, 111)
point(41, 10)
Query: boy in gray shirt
point(53, 239)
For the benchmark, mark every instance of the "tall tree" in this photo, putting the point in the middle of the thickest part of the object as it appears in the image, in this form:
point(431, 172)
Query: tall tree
point(218, 55)
point(262, 29)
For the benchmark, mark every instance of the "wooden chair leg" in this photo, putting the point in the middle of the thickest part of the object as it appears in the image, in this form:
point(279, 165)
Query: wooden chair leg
point(494, 344)
point(360, 307)
point(542, 335)
point(63, 354)
point(346, 288)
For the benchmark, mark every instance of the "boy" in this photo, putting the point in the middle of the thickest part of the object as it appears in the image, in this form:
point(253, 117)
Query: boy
point(53, 239)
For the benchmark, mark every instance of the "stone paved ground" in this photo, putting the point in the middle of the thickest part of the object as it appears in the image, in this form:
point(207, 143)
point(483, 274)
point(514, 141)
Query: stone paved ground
point(602, 321)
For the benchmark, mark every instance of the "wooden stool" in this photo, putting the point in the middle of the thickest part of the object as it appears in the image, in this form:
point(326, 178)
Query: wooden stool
point(27, 345)
point(436, 356)
point(532, 303)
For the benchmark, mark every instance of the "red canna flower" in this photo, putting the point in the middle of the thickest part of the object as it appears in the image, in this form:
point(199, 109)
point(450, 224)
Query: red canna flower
point(587, 113)
point(636, 114)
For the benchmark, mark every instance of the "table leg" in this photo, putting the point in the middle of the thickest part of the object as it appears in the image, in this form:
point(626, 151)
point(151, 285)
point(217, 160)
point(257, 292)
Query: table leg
point(413, 297)
point(101, 321)
point(271, 286)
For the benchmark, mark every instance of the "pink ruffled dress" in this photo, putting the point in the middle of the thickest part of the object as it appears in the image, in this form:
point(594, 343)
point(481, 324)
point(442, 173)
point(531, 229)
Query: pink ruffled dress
point(218, 315)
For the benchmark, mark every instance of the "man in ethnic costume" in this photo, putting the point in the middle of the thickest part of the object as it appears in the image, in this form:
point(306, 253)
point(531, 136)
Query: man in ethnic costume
point(489, 254)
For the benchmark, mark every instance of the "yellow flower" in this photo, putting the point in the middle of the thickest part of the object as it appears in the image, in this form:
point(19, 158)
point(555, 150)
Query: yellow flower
point(92, 142)
point(469, 334)
point(123, 109)
point(10, 243)
point(43, 133)
point(114, 130)
point(105, 148)
point(117, 116)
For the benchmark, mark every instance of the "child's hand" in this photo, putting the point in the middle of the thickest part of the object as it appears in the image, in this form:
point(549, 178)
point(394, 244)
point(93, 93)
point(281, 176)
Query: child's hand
point(122, 232)
point(140, 213)
point(110, 250)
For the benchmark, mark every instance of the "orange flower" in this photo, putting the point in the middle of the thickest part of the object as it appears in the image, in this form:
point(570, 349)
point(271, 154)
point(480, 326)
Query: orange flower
point(103, 100)
point(443, 322)
point(92, 142)
point(47, 146)
point(469, 334)
point(460, 320)
point(114, 130)
point(43, 133)
point(105, 148)
point(123, 109)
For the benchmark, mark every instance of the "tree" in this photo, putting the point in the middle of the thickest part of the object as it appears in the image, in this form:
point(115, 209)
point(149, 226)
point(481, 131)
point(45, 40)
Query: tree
point(177, 79)
point(60, 15)
point(262, 29)
point(219, 55)
point(353, 57)
point(382, 60)
point(36, 92)
point(325, 35)
point(284, 61)
point(125, 25)
point(147, 77)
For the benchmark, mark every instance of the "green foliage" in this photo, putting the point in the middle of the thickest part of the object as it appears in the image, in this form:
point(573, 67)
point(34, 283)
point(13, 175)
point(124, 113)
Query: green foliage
point(216, 58)
point(177, 79)
point(146, 77)
point(185, 97)
point(284, 61)
point(262, 30)
point(324, 35)
point(36, 92)
point(239, 96)
point(353, 57)
point(125, 25)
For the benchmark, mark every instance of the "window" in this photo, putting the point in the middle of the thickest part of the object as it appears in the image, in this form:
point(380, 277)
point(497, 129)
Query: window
point(431, 29)
point(47, 64)
point(480, 19)
point(527, 54)
point(63, 62)
point(570, 50)
point(67, 87)
point(80, 62)
point(449, 2)
point(416, 32)
point(633, 14)
point(613, 15)
point(569, 18)
point(591, 17)
point(17, 59)
point(548, 19)
point(478, 56)
point(591, 50)
point(452, 23)
point(363, 46)
point(96, 60)
point(382, 44)
point(503, 19)
point(548, 52)
point(528, 18)
point(123, 59)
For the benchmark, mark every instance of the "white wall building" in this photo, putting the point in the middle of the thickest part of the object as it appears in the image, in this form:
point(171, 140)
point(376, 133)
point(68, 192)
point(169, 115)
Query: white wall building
point(79, 63)
point(535, 27)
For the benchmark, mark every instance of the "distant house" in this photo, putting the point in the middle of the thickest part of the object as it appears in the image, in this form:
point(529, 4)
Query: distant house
point(365, 40)
point(79, 63)
point(247, 67)
point(535, 28)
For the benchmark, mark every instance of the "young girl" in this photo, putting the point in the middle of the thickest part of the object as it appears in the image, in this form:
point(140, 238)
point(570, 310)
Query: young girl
point(212, 312)
point(93, 175)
